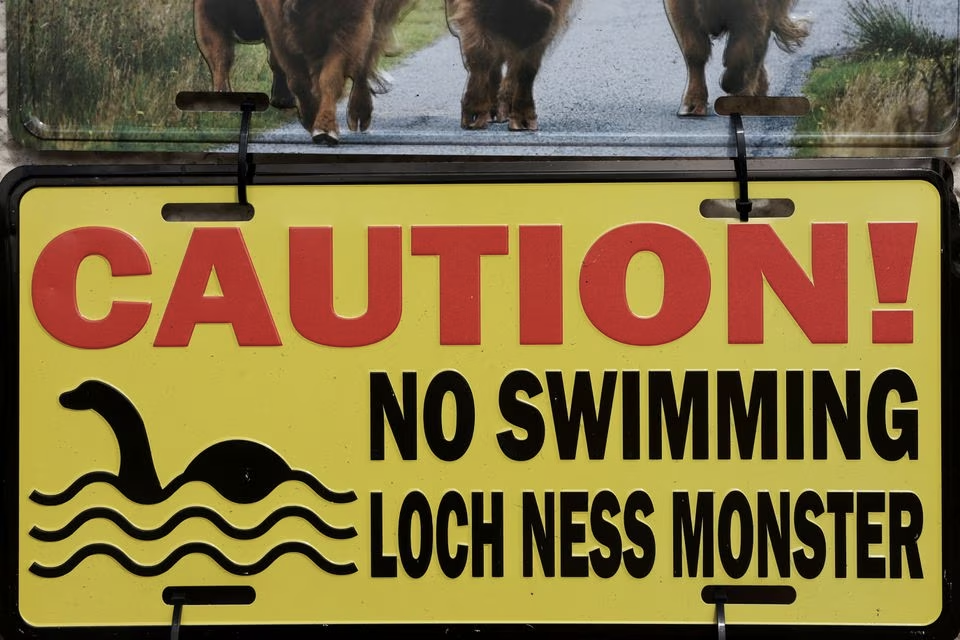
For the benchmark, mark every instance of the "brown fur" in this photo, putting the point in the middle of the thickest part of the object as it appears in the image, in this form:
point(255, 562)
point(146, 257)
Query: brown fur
point(503, 43)
point(748, 25)
point(319, 44)
point(219, 25)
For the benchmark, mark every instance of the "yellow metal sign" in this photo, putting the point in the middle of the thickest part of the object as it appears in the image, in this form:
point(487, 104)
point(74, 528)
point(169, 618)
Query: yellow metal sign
point(508, 403)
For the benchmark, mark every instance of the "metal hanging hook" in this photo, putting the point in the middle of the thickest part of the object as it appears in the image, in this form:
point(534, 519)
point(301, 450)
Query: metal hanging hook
point(178, 601)
point(217, 101)
point(244, 166)
point(721, 617)
point(744, 205)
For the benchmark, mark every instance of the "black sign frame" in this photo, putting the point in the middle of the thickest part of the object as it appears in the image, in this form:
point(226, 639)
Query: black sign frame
point(296, 171)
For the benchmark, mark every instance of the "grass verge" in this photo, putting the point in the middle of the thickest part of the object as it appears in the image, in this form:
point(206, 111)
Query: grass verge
point(900, 77)
point(94, 72)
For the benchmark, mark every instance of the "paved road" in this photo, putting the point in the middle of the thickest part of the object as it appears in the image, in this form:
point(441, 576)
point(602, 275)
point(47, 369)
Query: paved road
point(611, 86)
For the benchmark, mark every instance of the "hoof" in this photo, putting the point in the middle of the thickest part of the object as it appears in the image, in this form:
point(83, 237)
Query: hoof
point(359, 108)
point(475, 121)
point(329, 138)
point(358, 123)
point(692, 110)
point(524, 125)
point(283, 102)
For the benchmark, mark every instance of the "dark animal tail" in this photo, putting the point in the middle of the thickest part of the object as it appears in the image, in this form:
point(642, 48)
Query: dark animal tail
point(789, 32)
point(387, 13)
point(523, 22)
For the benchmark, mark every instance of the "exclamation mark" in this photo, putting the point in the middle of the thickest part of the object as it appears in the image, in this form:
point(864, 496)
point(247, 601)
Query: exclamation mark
point(893, 245)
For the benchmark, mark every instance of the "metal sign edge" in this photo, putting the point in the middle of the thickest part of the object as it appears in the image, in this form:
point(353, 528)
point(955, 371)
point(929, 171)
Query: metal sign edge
point(18, 182)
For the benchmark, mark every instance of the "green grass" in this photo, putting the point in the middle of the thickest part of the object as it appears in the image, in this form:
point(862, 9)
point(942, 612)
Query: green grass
point(900, 77)
point(419, 28)
point(93, 71)
point(879, 27)
point(828, 84)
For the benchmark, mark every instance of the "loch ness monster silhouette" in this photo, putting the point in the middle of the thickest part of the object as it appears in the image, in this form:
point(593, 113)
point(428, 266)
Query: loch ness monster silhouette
point(242, 471)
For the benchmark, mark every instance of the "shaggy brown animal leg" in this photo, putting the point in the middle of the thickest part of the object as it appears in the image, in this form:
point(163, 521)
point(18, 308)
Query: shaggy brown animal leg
point(479, 99)
point(763, 82)
point(280, 95)
point(501, 112)
point(291, 85)
point(306, 103)
point(523, 75)
point(695, 97)
point(328, 89)
point(695, 46)
point(504, 100)
point(743, 60)
point(215, 45)
point(360, 105)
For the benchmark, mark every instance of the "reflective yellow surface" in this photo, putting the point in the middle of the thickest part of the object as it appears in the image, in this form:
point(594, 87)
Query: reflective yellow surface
point(312, 406)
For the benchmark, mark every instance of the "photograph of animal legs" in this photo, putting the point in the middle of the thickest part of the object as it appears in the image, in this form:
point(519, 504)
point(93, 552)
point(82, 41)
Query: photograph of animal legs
point(748, 25)
point(414, 77)
point(503, 43)
point(320, 44)
point(222, 24)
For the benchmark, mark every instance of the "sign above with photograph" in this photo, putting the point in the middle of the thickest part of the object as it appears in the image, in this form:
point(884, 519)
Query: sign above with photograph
point(404, 401)
point(491, 77)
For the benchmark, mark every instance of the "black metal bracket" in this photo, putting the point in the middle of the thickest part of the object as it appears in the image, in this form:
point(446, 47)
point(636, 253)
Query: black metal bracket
point(721, 601)
point(245, 166)
point(177, 600)
point(207, 101)
point(738, 106)
point(744, 205)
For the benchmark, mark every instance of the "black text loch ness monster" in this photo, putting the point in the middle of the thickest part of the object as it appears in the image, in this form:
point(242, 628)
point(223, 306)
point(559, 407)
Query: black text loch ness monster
point(242, 471)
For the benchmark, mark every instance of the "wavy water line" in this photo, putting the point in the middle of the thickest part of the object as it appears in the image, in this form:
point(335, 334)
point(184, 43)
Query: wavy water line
point(228, 565)
point(53, 500)
point(178, 518)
